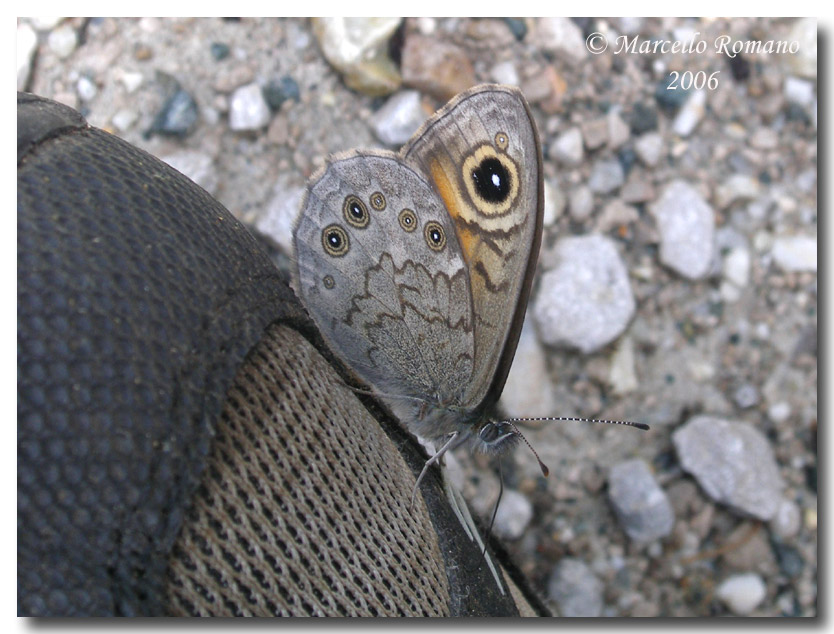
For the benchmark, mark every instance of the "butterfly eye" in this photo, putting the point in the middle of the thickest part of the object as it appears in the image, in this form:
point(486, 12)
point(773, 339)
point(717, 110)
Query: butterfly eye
point(408, 220)
point(497, 437)
point(378, 201)
point(335, 241)
point(435, 236)
point(355, 212)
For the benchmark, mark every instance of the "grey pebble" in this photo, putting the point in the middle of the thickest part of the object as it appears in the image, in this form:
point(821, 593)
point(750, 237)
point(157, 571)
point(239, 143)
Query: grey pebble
point(642, 507)
point(398, 118)
point(585, 301)
point(575, 588)
point(733, 462)
point(581, 203)
point(746, 395)
point(606, 176)
point(567, 148)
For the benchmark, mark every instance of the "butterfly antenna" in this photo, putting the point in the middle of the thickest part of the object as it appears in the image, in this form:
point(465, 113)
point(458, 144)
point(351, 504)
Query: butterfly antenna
point(627, 423)
point(542, 466)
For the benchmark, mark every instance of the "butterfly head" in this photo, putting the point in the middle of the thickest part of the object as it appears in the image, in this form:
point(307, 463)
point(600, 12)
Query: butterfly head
point(496, 437)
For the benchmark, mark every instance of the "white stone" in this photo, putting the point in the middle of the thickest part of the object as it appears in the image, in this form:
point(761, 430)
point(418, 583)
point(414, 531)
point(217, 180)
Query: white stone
point(248, 109)
point(568, 147)
point(795, 253)
point(649, 148)
point(86, 88)
point(804, 62)
point(505, 73)
point(736, 187)
point(799, 91)
point(742, 593)
point(622, 376)
point(687, 230)
point(27, 44)
point(554, 204)
point(281, 212)
point(562, 37)
point(779, 412)
point(737, 266)
point(123, 119)
point(358, 48)
point(513, 516)
point(618, 130)
point(690, 114)
point(528, 391)
point(787, 521)
point(45, 23)
point(62, 41)
point(131, 80)
point(198, 166)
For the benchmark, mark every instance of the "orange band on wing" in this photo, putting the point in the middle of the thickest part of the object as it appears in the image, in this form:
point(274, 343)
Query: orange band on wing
point(448, 192)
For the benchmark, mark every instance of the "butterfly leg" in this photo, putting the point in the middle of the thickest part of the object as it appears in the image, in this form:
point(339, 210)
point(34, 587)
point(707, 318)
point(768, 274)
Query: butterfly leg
point(437, 456)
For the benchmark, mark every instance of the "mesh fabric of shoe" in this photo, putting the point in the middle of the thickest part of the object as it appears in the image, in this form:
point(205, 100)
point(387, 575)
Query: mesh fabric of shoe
point(183, 447)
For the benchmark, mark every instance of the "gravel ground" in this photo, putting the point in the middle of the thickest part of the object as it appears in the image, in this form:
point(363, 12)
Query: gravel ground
point(677, 282)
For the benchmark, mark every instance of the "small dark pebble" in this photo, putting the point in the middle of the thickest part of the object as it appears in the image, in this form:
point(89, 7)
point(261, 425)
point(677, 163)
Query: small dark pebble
point(790, 561)
point(739, 67)
point(219, 50)
point(795, 112)
point(643, 118)
point(586, 24)
point(627, 157)
point(517, 26)
point(277, 91)
point(811, 477)
point(670, 99)
point(177, 117)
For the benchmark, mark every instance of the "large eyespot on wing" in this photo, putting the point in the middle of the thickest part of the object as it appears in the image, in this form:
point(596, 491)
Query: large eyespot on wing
point(481, 154)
